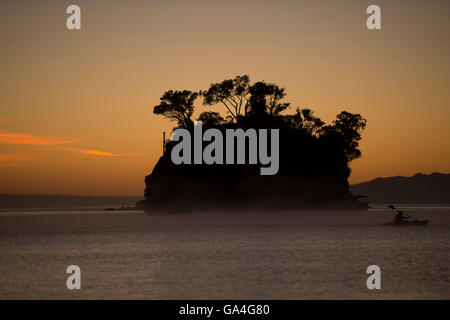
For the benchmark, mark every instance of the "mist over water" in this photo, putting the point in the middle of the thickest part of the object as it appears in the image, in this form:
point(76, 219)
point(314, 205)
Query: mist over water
point(286, 255)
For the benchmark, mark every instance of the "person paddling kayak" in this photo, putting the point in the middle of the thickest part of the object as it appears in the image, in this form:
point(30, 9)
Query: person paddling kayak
point(402, 219)
point(400, 216)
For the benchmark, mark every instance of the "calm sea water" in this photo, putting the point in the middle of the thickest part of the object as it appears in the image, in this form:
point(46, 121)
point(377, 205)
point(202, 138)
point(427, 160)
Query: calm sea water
point(308, 255)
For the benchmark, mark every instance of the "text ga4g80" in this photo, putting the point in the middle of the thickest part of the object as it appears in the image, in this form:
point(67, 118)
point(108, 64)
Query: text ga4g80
point(246, 309)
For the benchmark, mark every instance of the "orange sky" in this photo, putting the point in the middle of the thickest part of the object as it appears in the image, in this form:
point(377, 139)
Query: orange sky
point(76, 106)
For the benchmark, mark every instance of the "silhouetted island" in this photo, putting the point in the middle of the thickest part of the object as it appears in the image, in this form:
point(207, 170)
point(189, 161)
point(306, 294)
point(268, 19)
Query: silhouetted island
point(313, 156)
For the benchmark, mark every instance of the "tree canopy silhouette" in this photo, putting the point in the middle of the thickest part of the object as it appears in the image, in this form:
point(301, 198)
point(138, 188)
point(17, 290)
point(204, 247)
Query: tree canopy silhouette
point(177, 106)
point(265, 99)
point(210, 119)
point(232, 93)
point(304, 120)
point(348, 127)
point(245, 101)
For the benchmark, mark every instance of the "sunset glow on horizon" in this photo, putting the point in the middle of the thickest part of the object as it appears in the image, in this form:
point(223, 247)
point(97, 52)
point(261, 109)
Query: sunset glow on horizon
point(76, 113)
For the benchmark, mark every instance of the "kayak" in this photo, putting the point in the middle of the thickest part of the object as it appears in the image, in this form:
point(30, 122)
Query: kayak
point(406, 223)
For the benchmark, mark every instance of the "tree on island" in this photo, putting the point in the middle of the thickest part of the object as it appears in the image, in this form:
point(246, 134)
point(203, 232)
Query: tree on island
point(348, 127)
point(178, 106)
point(232, 93)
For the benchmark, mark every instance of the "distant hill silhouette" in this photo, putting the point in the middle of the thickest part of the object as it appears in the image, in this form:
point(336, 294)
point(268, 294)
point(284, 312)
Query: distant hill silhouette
point(35, 201)
point(420, 188)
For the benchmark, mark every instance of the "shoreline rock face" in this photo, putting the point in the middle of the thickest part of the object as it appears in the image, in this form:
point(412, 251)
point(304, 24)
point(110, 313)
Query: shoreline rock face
point(313, 174)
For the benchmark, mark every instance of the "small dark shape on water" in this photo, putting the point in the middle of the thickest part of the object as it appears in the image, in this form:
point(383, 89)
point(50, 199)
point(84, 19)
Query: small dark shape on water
point(402, 220)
